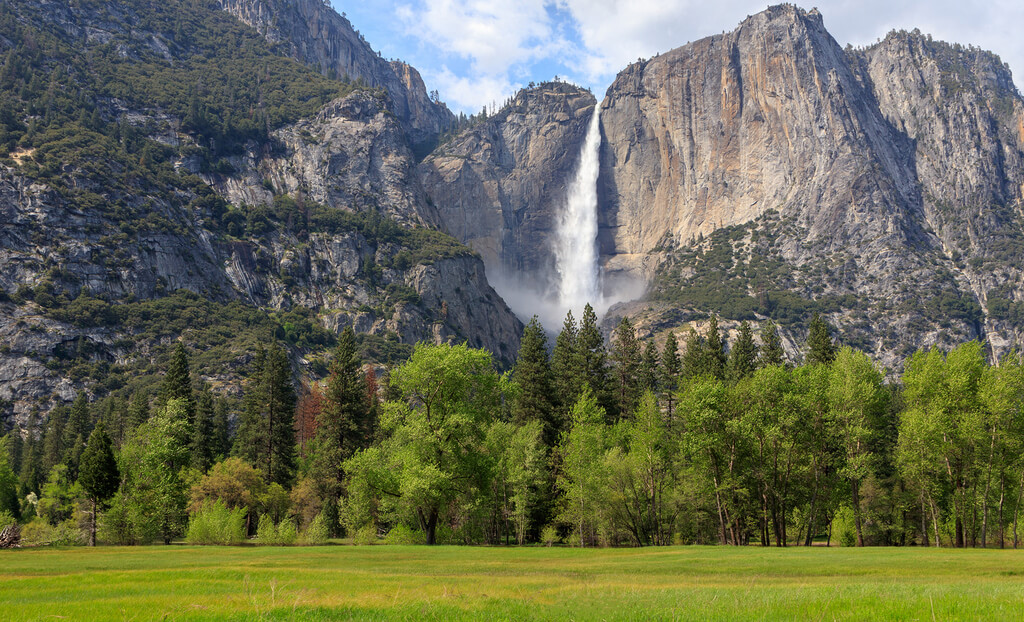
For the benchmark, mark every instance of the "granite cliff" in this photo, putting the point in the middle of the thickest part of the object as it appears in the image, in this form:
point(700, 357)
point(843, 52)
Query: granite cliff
point(768, 172)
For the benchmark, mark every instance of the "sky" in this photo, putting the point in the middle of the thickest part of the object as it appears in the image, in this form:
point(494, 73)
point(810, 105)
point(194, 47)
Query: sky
point(476, 53)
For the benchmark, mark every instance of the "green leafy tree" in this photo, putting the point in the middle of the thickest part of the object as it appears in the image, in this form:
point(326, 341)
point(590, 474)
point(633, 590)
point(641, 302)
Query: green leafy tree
point(583, 478)
point(431, 453)
point(203, 446)
point(151, 503)
point(856, 398)
point(98, 474)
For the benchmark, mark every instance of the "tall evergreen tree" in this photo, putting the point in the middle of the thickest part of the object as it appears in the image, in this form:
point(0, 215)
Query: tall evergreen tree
point(15, 446)
point(743, 355)
point(98, 474)
point(53, 439)
point(177, 382)
point(138, 410)
point(594, 361)
point(76, 431)
point(536, 398)
point(625, 358)
point(671, 367)
point(266, 436)
point(695, 359)
point(202, 446)
point(715, 346)
point(649, 369)
point(221, 444)
point(771, 346)
point(344, 425)
point(566, 364)
point(820, 348)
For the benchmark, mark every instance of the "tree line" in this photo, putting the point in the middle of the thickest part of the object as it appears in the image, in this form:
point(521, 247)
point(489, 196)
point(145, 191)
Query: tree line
point(586, 442)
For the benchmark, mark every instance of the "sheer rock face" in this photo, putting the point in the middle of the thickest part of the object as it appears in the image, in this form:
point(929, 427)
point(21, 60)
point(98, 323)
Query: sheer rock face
point(319, 36)
point(500, 185)
point(767, 117)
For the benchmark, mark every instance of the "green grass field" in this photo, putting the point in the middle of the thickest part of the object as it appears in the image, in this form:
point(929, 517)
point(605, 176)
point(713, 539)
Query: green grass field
point(444, 583)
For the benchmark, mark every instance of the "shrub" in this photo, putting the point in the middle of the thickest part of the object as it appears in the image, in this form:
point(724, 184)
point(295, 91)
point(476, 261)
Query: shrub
point(40, 533)
point(843, 527)
point(318, 532)
point(265, 532)
point(401, 534)
point(366, 535)
point(283, 534)
point(549, 535)
point(215, 523)
point(6, 519)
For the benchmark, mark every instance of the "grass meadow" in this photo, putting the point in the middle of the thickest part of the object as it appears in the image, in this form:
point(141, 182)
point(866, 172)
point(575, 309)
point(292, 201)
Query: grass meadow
point(472, 583)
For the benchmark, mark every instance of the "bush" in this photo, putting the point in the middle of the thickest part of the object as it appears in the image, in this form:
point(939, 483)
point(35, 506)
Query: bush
point(549, 535)
point(366, 535)
point(318, 531)
point(843, 527)
point(215, 523)
point(265, 532)
point(40, 533)
point(6, 519)
point(283, 534)
point(401, 534)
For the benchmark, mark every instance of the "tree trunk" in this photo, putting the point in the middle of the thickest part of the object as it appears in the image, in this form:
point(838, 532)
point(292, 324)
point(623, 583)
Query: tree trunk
point(92, 530)
point(432, 527)
point(855, 491)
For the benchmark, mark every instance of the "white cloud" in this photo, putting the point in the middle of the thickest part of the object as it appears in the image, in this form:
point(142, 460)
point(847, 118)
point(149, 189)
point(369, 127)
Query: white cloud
point(470, 93)
point(484, 49)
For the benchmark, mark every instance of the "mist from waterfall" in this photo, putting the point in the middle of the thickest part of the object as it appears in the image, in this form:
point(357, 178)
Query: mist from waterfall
point(576, 279)
point(575, 241)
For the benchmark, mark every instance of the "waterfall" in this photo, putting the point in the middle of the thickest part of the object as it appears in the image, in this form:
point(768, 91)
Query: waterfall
point(576, 236)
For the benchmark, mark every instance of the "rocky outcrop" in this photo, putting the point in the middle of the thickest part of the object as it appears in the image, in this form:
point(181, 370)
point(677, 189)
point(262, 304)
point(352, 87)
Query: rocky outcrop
point(317, 35)
point(352, 155)
point(965, 117)
point(500, 185)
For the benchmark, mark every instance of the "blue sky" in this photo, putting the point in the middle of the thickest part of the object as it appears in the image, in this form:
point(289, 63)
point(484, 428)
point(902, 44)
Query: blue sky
point(475, 52)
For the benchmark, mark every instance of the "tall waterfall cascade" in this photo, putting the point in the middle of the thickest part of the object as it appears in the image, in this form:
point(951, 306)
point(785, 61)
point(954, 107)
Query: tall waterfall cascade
point(576, 236)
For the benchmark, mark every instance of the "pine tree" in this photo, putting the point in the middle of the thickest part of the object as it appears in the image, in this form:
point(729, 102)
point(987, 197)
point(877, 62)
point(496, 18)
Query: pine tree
point(532, 372)
point(771, 346)
point(625, 358)
point(221, 444)
point(177, 382)
point(76, 431)
point(344, 424)
point(695, 360)
point(53, 439)
point(565, 363)
point(671, 367)
point(743, 355)
point(15, 446)
point(594, 362)
point(98, 474)
point(138, 410)
point(649, 370)
point(716, 359)
point(266, 437)
point(820, 348)
point(202, 444)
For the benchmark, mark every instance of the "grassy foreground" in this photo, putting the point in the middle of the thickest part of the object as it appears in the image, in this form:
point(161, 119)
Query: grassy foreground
point(443, 583)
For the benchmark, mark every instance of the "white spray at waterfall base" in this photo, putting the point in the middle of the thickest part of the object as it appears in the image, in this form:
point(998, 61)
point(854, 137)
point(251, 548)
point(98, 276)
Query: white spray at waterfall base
point(575, 241)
